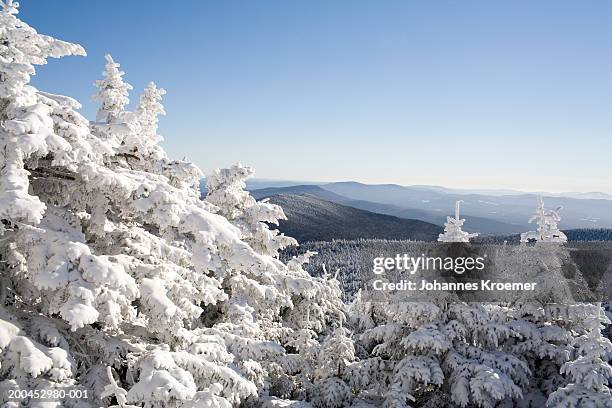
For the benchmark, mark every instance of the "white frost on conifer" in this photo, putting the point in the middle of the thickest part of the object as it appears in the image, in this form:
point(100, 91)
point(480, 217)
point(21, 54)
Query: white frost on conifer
point(452, 229)
point(27, 133)
point(589, 371)
point(547, 230)
point(112, 92)
point(226, 190)
point(113, 260)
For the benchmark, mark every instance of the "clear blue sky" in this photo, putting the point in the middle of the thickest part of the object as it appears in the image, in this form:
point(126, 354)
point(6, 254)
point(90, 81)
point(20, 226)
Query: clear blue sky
point(513, 94)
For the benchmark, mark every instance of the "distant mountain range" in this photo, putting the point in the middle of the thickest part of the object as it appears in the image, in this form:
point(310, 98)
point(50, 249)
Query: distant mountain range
point(476, 224)
point(487, 214)
point(494, 192)
point(258, 184)
point(311, 218)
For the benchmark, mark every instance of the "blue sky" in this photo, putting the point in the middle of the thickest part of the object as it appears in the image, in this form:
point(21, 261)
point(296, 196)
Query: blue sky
point(470, 94)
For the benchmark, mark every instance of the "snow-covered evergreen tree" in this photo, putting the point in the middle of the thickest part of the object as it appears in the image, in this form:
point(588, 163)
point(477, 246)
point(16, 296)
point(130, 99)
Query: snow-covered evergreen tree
point(113, 124)
point(435, 353)
point(330, 368)
point(589, 371)
point(452, 229)
point(27, 126)
point(226, 190)
point(142, 144)
point(116, 277)
point(445, 353)
point(139, 148)
point(112, 93)
point(296, 373)
point(148, 110)
point(33, 352)
point(547, 230)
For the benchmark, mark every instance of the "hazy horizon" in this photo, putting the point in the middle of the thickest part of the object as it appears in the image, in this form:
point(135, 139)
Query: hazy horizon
point(478, 95)
point(260, 180)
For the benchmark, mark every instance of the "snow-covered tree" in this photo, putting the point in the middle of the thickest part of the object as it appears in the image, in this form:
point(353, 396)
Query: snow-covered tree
point(547, 230)
point(434, 352)
point(113, 92)
point(331, 373)
point(113, 123)
point(32, 350)
point(139, 147)
point(312, 305)
point(452, 228)
point(226, 190)
point(440, 352)
point(142, 143)
point(589, 371)
point(110, 260)
point(27, 128)
point(148, 110)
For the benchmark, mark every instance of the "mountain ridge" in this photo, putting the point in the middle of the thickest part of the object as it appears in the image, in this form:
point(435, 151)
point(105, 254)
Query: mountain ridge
point(475, 224)
point(311, 218)
point(509, 209)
